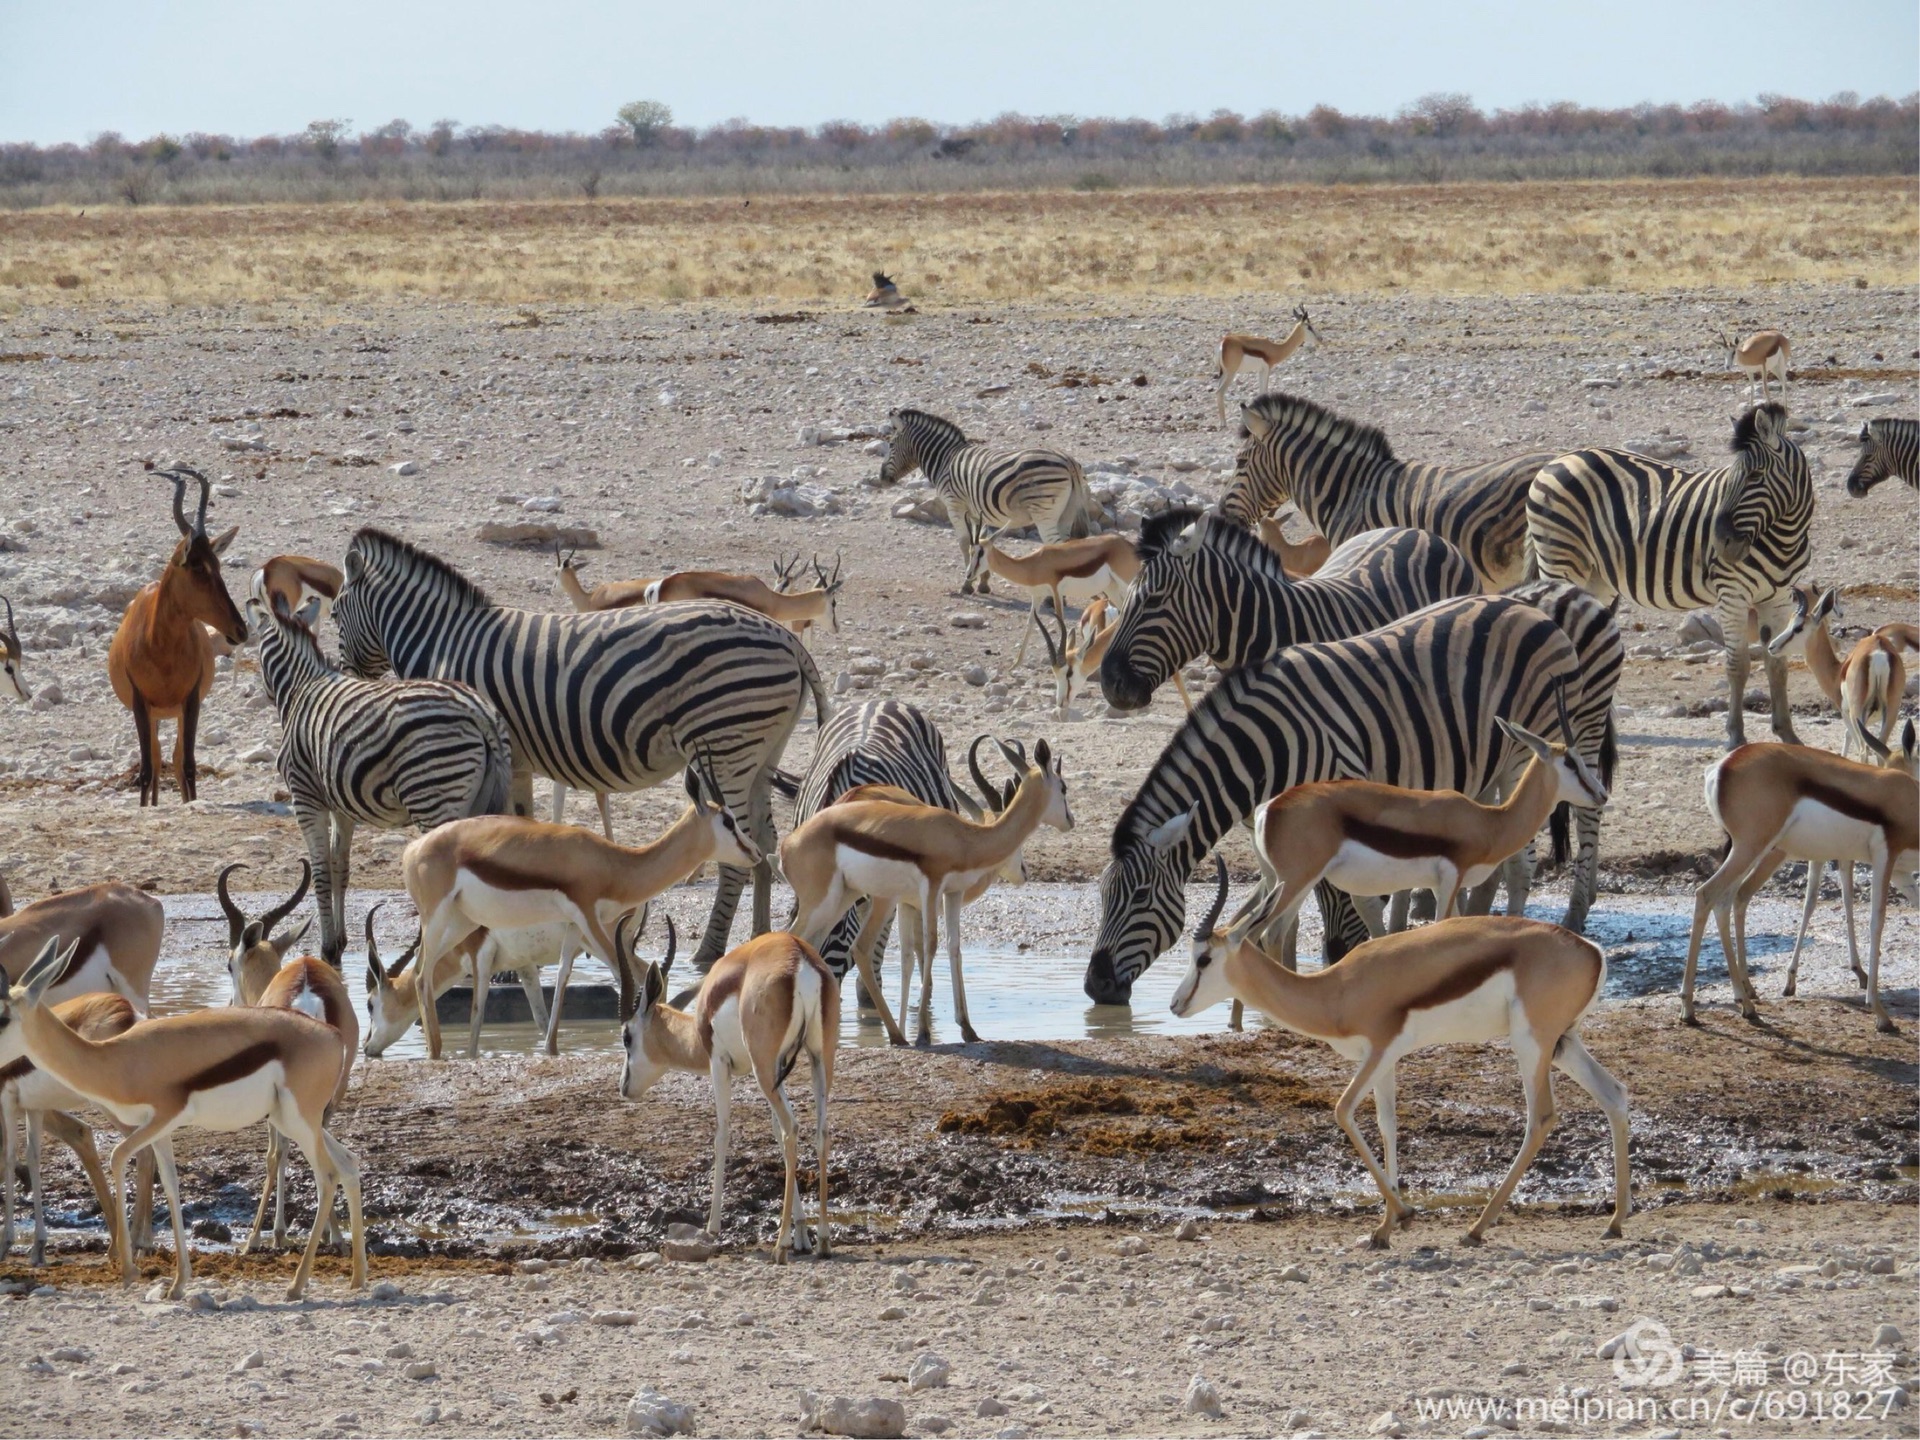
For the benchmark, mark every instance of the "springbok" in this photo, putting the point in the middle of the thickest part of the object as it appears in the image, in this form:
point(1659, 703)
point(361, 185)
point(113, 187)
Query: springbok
point(796, 609)
point(762, 1006)
point(917, 857)
point(1075, 571)
point(503, 872)
point(12, 657)
point(210, 1069)
point(1865, 685)
point(1793, 802)
point(1077, 659)
point(115, 929)
point(1235, 350)
point(161, 659)
point(1465, 981)
point(1761, 357)
point(1299, 560)
point(298, 585)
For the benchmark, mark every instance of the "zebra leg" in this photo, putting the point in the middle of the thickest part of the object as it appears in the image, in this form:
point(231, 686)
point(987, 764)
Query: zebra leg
point(1732, 614)
point(1519, 877)
point(605, 800)
point(1341, 921)
point(1778, 700)
point(1586, 869)
point(559, 801)
point(760, 826)
point(339, 858)
point(316, 829)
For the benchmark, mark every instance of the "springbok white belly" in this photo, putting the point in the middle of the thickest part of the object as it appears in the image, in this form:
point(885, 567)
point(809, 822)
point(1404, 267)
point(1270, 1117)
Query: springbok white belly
point(1818, 832)
point(500, 909)
point(37, 1090)
point(1484, 1013)
point(876, 875)
point(238, 1103)
point(729, 1038)
point(1360, 870)
point(91, 976)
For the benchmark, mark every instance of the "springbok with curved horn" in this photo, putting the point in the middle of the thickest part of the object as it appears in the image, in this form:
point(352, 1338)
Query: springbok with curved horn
point(762, 1006)
point(298, 585)
point(503, 872)
point(161, 658)
point(1761, 357)
point(12, 657)
point(1465, 981)
point(918, 857)
point(1235, 350)
point(1868, 682)
point(797, 610)
point(209, 1069)
point(1793, 802)
point(1075, 571)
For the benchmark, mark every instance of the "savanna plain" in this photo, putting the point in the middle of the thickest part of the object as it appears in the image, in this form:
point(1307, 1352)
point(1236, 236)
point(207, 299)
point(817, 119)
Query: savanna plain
point(1074, 1227)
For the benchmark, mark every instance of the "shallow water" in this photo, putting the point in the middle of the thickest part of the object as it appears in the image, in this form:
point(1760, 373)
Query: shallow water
point(1032, 992)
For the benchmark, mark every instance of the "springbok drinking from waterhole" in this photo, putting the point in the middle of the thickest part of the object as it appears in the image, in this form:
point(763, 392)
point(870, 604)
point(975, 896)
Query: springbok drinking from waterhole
point(504, 872)
point(918, 857)
point(210, 1069)
point(1463, 981)
point(1761, 357)
point(762, 1006)
point(1235, 350)
point(161, 659)
point(1793, 802)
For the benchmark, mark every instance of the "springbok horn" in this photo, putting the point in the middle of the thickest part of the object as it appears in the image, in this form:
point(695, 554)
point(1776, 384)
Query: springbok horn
point(622, 963)
point(1219, 899)
point(275, 916)
point(989, 791)
point(374, 972)
point(13, 635)
point(407, 957)
point(673, 944)
point(236, 918)
point(1560, 704)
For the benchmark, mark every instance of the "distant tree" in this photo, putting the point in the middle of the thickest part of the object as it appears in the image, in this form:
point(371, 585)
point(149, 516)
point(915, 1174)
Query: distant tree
point(1326, 123)
point(439, 139)
point(161, 150)
point(323, 137)
point(646, 119)
point(1444, 113)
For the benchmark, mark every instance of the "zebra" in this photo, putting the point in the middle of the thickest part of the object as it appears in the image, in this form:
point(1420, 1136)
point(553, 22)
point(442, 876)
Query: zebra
point(1733, 538)
point(1216, 587)
point(1345, 478)
point(982, 486)
point(1887, 447)
point(1412, 703)
point(613, 700)
point(384, 753)
point(882, 742)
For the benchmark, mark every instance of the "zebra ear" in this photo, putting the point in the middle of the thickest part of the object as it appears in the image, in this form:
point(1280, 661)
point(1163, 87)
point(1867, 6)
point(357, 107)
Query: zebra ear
point(1187, 541)
point(1254, 423)
point(1170, 832)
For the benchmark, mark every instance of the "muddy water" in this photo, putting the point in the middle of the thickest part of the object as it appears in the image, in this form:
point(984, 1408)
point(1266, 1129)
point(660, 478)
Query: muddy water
point(1023, 983)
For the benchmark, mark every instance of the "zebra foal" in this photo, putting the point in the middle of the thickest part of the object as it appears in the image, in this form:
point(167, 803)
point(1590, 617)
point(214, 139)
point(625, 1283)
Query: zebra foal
point(1733, 538)
point(383, 753)
point(984, 487)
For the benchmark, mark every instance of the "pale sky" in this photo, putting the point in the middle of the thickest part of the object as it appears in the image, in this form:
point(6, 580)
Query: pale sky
point(72, 68)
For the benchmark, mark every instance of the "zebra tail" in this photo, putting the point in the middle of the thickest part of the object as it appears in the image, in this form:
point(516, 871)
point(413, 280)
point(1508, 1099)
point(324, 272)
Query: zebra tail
point(1081, 524)
point(785, 784)
point(811, 673)
point(495, 796)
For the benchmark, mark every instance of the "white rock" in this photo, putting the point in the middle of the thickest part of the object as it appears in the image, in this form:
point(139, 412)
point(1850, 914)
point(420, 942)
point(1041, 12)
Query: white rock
point(688, 1243)
point(927, 1372)
point(871, 1419)
point(421, 1370)
point(383, 1290)
point(988, 1408)
point(618, 1319)
point(651, 1413)
point(427, 1415)
point(405, 467)
point(1386, 1423)
point(1709, 1292)
point(541, 504)
point(1888, 1337)
point(1879, 397)
point(974, 675)
point(1189, 1229)
point(258, 755)
point(1201, 1398)
point(252, 1360)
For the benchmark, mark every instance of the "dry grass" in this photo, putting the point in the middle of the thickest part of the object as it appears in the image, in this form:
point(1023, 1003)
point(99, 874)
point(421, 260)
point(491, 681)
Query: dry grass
point(1505, 238)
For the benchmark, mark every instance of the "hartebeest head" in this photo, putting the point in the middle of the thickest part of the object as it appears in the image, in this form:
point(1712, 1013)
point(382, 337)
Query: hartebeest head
point(200, 586)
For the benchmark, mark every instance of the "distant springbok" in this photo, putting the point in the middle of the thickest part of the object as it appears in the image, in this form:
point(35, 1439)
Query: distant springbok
point(1235, 350)
point(1762, 356)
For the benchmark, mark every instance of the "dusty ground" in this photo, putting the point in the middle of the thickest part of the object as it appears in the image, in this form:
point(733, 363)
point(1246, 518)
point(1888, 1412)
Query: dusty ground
point(643, 425)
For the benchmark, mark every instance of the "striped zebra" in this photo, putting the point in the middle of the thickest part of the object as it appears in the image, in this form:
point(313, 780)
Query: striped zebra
point(384, 753)
point(1887, 447)
point(882, 742)
point(615, 700)
point(1412, 703)
point(1345, 478)
point(985, 487)
point(1734, 538)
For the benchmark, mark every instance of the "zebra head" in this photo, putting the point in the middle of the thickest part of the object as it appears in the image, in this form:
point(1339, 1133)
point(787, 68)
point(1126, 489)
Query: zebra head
point(903, 447)
point(1166, 620)
point(363, 650)
point(1143, 903)
point(1770, 484)
point(1879, 441)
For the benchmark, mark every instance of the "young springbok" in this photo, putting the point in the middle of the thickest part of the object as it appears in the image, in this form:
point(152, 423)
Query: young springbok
point(1864, 685)
point(161, 659)
point(1761, 357)
point(796, 609)
point(1237, 349)
point(48, 1107)
point(1465, 981)
point(503, 872)
point(262, 975)
point(1076, 661)
point(1793, 802)
point(1075, 571)
point(210, 1069)
point(762, 1006)
point(919, 858)
point(12, 657)
point(393, 993)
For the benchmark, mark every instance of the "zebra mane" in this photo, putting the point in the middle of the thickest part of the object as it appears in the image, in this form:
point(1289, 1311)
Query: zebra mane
point(1297, 413)
point(1242, 547)
point(383, 551)
point(1159, 531)
point(926, 420)
point(292, 632)
point(1746, 430)
point(1149, 809)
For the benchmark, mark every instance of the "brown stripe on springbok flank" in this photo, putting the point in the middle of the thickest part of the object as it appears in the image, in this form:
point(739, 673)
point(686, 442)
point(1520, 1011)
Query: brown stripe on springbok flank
point(872, 845)
point(236, 1066)
point(89, 942)
point(1400, 844)
point(1851, 806)
point(1085, 567)
point(1464, 980)
point(722, 986)
point(16, 1070)
point(504, 877)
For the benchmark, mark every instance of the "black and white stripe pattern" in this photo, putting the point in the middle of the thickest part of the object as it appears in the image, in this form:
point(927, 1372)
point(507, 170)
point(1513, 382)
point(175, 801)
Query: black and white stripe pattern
point(1208, 586)
point(1412, 703)
point(1887, 447)
point(1732, 538)
point(985, 488)
point(1345, 479)
point(615, 700)
point(883, 742)
point(386, 753)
